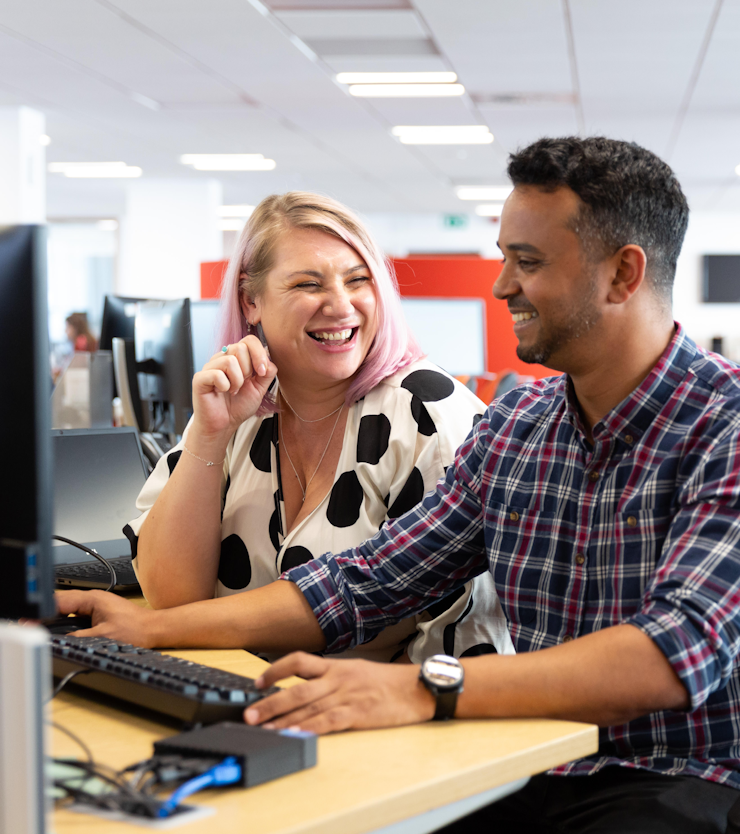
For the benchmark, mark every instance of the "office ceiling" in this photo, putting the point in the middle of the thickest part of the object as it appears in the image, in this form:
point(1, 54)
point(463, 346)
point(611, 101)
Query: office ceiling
point(144, 81)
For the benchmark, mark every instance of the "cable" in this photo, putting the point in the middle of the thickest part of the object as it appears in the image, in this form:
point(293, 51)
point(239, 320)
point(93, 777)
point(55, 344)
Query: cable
point(66, 679)
point(111, 569)
point(225, 773)
point(74, 738)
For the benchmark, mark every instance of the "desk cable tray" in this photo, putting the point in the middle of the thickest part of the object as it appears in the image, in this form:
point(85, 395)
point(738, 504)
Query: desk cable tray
point(188, 691)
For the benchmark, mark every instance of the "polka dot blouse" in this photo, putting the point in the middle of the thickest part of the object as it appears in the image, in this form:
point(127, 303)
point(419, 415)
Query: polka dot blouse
point(398, 440)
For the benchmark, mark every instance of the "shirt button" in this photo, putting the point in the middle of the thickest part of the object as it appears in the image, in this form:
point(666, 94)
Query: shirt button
point(632, 521)
point(514, 516)
point(567, 638)
point(594, 476)
point(629, 439)
point(580, 558)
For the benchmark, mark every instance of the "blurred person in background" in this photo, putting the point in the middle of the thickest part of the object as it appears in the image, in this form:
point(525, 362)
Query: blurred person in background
point(78, 332)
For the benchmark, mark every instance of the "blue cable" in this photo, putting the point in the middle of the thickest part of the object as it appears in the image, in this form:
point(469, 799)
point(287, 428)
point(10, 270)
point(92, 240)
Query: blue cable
point(226, 772)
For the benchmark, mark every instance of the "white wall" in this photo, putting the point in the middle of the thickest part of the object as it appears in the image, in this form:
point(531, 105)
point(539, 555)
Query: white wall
point(709, 233)
point(169, 228)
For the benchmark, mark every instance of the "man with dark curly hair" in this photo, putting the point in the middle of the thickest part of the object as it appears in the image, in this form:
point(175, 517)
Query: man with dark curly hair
point(604, 502)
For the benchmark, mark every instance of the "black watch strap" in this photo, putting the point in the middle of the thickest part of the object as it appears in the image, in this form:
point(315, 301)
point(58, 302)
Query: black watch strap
point(446, 703)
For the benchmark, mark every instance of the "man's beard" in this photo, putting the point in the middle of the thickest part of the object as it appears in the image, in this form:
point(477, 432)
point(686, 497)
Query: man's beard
point(575, 324)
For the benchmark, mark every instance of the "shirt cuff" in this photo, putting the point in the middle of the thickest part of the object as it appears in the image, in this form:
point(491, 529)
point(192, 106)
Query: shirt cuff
point(317, 583)
point(690, 654)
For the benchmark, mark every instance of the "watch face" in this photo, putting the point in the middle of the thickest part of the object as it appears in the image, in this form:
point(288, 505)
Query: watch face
point(443, 672)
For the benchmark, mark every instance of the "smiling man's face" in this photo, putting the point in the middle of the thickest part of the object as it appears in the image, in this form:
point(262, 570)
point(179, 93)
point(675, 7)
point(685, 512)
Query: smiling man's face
point(551, 288)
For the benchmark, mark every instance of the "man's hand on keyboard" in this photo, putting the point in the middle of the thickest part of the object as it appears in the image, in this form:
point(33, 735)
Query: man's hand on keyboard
point(341, 695)
point(112, 616)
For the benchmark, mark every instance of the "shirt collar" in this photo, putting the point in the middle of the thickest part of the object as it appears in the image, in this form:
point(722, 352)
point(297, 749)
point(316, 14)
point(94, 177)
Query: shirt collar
point(636, 412)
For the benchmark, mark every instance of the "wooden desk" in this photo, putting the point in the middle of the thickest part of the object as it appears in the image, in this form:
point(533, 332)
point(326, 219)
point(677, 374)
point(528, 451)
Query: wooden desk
point(364, 780)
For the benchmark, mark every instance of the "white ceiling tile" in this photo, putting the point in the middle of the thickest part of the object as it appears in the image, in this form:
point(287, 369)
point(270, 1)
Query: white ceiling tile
point(354, 24)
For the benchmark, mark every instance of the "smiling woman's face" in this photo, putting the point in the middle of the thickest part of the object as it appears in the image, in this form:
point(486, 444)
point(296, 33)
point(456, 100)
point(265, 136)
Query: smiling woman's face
point(317, 310)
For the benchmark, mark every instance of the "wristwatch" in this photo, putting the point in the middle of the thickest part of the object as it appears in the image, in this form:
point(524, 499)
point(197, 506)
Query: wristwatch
point(443, 676)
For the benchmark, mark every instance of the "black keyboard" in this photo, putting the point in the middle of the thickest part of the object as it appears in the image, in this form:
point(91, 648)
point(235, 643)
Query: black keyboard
point(95, 574)
point(179, 688)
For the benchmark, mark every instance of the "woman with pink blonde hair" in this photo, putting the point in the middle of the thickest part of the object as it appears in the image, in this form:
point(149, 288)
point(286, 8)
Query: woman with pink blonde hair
point(316, 423)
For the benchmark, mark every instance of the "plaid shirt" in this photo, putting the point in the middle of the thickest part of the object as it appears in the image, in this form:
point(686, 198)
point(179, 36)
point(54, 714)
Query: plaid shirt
point(641, 527)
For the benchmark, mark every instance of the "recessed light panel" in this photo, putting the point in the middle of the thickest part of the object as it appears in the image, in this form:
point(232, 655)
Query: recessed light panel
point(406, 90)
point(103, 170)
point(228, 161)
point(484, 192)
point(443, 134)
point(396, 77)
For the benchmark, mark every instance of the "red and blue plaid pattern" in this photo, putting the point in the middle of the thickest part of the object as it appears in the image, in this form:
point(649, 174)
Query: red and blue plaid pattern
point(640, 527)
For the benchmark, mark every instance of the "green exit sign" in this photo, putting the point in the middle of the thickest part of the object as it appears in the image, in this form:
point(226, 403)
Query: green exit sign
point(456, 221)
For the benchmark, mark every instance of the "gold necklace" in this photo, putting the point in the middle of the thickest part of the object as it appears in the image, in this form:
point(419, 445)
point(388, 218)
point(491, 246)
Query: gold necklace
point(301, 418)
point(326, 449)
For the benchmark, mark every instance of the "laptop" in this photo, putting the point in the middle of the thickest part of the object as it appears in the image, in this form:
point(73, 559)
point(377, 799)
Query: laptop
point(98, 474)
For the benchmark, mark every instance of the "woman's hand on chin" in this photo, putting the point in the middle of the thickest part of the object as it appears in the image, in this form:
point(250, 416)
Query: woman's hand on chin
point(112, 616)
point(230, 388)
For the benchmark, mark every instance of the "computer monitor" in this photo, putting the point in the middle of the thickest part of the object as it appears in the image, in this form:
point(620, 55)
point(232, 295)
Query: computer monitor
point(26, 574)
point(119, 317)
point(164, 363)
point(204, 316)
point(450, 331)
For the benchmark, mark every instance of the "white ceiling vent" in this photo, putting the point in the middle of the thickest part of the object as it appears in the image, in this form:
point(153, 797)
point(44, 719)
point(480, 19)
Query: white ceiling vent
point(335, 5)
point(349, 47)
point(524, 99)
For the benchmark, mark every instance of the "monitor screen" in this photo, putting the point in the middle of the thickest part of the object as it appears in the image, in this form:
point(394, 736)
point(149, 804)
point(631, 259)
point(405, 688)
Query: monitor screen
point(451, 331)
point(164, 357)
point(721, 284)
point(26, 587)
point(98, 474)
point(119, 317)
point(204, 317)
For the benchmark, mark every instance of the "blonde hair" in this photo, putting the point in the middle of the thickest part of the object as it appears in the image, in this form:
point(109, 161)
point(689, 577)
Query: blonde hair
point(394, 346)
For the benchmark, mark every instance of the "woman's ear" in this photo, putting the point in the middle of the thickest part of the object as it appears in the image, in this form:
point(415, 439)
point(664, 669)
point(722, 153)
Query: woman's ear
point(250, 309)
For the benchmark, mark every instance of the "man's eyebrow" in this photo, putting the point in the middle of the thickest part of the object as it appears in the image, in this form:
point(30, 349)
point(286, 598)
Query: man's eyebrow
point(521, 247)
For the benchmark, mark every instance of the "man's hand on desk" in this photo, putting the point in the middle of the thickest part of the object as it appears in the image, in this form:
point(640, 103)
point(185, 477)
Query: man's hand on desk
point(112, 616)
point(342, 695)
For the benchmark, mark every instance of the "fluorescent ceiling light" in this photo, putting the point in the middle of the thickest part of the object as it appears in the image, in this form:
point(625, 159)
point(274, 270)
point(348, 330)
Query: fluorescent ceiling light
point(406, 90)
point(94, 169)
point(396, 77)
point(489, 209)
point(228, 161)
point(484, 192)
point(443, 135)
point(231, 224)
point(235, 211)
point(44, 139)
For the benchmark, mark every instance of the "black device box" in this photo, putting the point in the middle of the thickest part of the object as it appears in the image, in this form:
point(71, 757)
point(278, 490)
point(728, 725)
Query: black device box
point(262, 754)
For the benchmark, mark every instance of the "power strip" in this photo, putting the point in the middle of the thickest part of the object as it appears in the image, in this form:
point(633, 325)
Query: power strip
point(25, 676)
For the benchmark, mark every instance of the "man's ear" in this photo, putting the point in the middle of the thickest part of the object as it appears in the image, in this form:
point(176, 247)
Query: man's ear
point(629, 264)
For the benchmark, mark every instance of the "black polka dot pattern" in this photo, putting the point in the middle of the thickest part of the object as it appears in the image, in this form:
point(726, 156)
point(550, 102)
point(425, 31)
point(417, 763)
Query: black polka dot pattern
point(234, 567)
point(226, 492)
point(373, 437)
point(275, 521)
point(260, 453)
point(133, 540)
point(422, 418)
point(295, 556)
point(410, 495)
point(345, 501)
point(429, 386)
point(172, 459)
point(481, 648)
point(444, 604)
